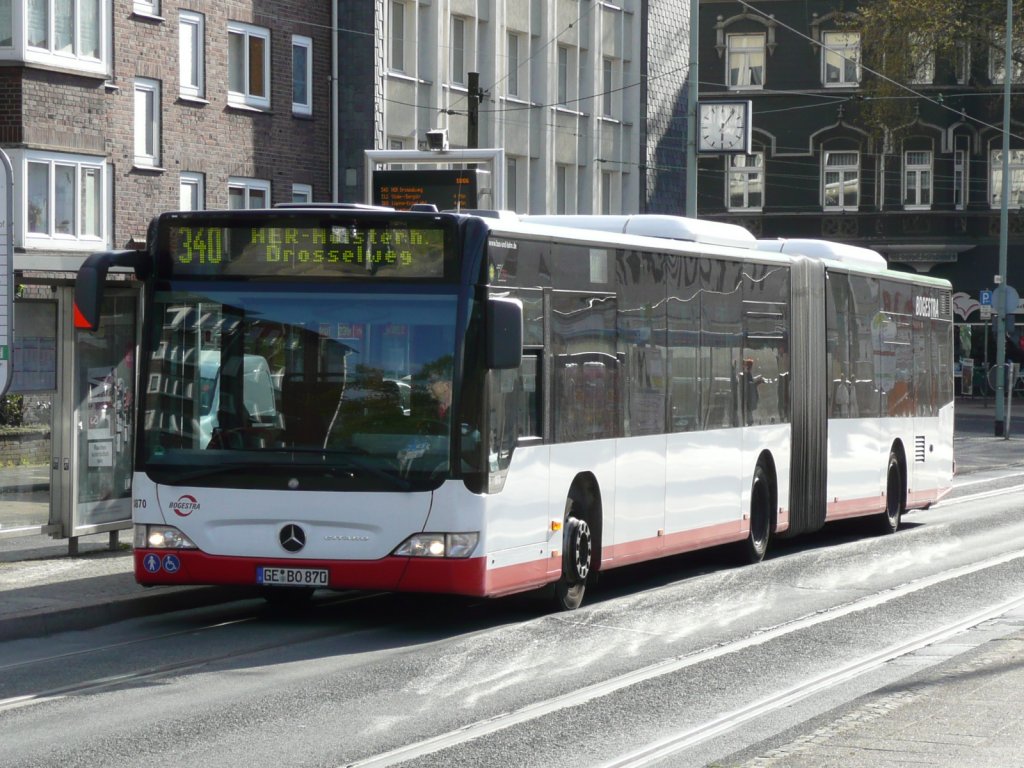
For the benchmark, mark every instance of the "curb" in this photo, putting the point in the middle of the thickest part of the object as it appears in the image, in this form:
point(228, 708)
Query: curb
point(157, 600)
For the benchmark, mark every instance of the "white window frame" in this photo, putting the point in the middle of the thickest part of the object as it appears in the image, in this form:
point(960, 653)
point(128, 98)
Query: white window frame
point(746, 176)
point(90, 55)
point(997, 57)
point(397, 35)
point(918, 179)
point(995, 178)
point(147, 8)
point(922, 60)
point(745, 54)
point(247, 97)
point(194, 185)
point(301, 42)
point(302, 193)
point(457, 39)
point(960, 179)
point(247, 187)
point(847, 171)
point(514, 42)
point(191, 55)
point(83, 167)
point(147, 123)
point(839, 50)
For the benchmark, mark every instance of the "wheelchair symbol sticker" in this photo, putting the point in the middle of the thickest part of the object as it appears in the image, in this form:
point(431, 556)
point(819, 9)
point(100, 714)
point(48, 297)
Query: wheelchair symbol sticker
point(171, 563)
point(151, 563)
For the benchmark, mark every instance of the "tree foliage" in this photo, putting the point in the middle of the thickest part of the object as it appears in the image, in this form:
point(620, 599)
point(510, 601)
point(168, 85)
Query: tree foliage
point(901, 39)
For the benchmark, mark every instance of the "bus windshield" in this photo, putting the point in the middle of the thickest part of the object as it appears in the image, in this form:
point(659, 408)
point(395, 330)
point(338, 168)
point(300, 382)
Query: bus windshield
point(317, 387)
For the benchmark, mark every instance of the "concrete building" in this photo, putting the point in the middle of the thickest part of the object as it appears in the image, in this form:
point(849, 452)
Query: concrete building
point(586, 99)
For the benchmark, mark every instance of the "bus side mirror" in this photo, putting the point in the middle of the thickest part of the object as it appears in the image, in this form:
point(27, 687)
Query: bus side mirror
point(91, 278)
point(504, 333)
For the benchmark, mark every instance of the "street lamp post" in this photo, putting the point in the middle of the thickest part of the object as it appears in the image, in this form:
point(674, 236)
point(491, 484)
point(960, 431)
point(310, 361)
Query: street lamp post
point(1001, 378)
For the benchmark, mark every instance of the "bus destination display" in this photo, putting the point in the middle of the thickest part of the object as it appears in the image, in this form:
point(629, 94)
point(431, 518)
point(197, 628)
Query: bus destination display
point(307, 251)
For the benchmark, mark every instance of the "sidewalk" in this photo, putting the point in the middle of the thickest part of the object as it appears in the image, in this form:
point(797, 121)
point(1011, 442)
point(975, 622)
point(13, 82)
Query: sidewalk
point(967, 711)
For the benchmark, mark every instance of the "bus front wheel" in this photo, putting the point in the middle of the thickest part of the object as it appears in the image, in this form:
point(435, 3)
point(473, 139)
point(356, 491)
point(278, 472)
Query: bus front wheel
point(577, 551)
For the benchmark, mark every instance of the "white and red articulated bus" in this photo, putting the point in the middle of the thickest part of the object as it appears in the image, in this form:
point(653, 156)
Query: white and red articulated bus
point(347, 397)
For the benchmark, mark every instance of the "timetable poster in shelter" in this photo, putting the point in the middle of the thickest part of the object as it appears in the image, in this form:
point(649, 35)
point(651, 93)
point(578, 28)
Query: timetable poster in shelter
point(448, 190)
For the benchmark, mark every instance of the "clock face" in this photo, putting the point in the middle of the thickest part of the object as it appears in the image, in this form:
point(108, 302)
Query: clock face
point(723, 127)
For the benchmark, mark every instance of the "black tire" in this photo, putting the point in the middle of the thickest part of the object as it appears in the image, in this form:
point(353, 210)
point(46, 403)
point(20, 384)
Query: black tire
point(889, 520)
point(756, 544)
point(577, 555)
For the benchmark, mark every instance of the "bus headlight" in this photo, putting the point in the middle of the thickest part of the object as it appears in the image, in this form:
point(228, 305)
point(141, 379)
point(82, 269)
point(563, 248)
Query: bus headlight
point(439, 545)
point(161, 537)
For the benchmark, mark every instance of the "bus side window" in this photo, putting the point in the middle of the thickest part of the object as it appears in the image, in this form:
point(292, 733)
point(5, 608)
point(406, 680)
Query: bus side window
point(515, 409)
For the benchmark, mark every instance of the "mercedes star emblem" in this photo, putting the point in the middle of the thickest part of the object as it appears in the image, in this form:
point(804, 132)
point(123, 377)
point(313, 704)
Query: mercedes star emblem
point(292, 537)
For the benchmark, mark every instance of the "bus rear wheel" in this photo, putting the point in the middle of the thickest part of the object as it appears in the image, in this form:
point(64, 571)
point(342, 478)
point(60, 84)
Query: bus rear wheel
point(889, 521)
point(756, 544)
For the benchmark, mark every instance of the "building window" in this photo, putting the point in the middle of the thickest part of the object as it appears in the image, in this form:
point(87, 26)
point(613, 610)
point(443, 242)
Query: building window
point(841, 181)
point(6, 25)
point(458, 50)
point(959, 179)
point(147, 122)
point(962, 62)
point(997, 58)
point(561, 189)
point(917, 179)
point(922, 60)
point(192, 191)
point(64, 200)
point(746, 182)
point(607, 87)
point(302, 75)
point(511, 184)
point(840, 58)
point(67, 33)
point(746, 61)
point(147, 7)
point(1016, 175)
point(191, 34)
point(248, 65)
point(606, 192)
point(563, 75)
point(513, 65)
point(397, 62)
point(302, 193)
point(248, 193)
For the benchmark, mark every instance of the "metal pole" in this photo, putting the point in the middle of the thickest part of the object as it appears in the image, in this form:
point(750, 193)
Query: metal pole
point(693, 93)
point(1000, 424)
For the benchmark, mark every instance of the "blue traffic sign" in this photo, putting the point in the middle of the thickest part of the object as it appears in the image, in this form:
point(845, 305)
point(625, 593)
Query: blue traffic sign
point(985, 298)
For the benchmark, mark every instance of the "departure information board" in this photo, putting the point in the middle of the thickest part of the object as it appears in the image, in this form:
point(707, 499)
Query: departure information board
point(448, 190)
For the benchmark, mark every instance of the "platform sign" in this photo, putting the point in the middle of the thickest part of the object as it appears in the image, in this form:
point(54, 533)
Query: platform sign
point(6, 270)
point(447, 189)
